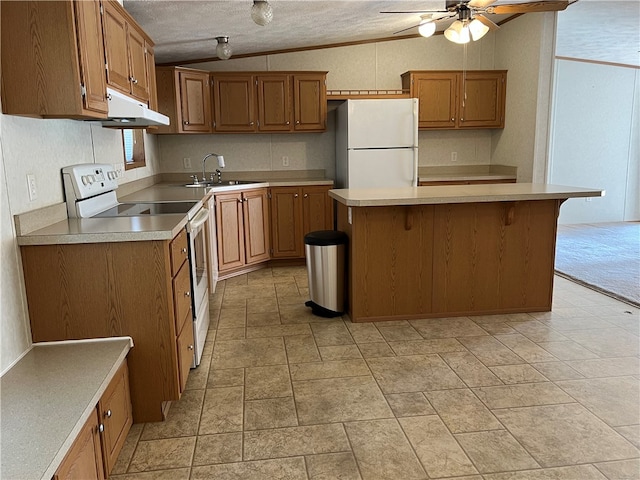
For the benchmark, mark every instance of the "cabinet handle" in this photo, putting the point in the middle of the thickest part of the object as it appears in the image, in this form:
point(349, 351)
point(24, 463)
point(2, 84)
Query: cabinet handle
point(287, 123)
point(251, 123)
point(108, 96)
point(101, 427)
point(187, 293)
point(184, 250)
point(295, 196)
point(297, 122)
point(239, 200)
point(133, 80)
point(306, 195)
point(107, 414)
point(453, 119)
point(185, 122)
point(462, 119)
point(190, 347)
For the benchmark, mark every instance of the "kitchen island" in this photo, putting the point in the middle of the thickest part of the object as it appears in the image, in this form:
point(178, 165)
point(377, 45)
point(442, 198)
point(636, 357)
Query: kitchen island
point(438, 251)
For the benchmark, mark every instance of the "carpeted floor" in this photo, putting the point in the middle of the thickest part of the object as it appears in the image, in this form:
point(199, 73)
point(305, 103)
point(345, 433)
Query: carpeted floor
point(602, 256)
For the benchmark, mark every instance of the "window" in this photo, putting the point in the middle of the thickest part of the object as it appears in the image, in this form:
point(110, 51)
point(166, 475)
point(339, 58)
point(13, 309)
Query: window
point(133, 144)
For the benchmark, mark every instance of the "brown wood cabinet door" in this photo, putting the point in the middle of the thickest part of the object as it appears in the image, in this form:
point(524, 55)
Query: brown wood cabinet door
point(482, 99)
point(274, 103)
point(151, 75)
point(256, 225)
point(286, 223)
point(436, 93)
point(91, 50)
point(317, 209)
point(84, 459)
point(230, 231)
point(137, 64)
point(185, 353)
point(114, 410)
point(310, 102)
point(195, 102)
point(234, 103)
point(115, 41)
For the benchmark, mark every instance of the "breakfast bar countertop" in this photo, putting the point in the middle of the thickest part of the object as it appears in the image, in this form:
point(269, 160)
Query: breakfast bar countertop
point(499, 192)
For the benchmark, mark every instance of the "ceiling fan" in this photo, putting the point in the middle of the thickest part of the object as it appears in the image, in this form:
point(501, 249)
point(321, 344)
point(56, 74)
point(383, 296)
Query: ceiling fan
point(471, 23)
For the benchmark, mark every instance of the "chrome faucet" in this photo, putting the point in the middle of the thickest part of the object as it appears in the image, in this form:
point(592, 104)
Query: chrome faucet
point(220, 164)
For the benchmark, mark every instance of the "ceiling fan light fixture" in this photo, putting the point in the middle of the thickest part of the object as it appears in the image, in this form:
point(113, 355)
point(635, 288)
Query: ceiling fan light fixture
point(427, 28)
point(477, 29)
point(458, 32)
point(261, 12)
point(223, 49)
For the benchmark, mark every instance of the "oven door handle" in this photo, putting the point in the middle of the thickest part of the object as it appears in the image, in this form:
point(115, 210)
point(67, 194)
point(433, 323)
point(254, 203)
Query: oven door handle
point(198, 220)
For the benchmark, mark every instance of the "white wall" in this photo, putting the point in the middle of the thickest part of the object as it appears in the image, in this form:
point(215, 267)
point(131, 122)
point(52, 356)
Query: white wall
point(594, 142)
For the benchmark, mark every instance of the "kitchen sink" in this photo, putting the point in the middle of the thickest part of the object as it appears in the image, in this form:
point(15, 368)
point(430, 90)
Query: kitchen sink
point(223, 183)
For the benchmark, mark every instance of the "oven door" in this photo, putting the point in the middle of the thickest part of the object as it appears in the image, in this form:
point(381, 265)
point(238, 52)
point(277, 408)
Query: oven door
point(196, 231)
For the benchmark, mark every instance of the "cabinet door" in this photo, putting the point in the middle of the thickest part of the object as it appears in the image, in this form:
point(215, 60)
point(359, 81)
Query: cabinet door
point(195, 102)
point(317, 209)
point(91, 51)
point(234, 103)
point(436, 93)
point(151, 75)
point(286, 223)
point(115, 41)
point(114, 409)
point(84, 460)
point(230, 231)
point(482, 99)
point(139, 81)
point(274, 103)
point(310, 102)
point(185, 353)
point(256, 225)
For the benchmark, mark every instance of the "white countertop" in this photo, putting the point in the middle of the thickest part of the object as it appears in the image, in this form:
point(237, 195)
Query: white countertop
point(46, 399)
point(500, 192)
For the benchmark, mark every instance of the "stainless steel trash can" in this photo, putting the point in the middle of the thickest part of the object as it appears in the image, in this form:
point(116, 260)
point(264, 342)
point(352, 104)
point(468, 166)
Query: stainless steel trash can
point(325, 252)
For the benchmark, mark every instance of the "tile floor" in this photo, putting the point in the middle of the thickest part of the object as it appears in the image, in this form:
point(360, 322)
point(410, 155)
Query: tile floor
point(281, 394)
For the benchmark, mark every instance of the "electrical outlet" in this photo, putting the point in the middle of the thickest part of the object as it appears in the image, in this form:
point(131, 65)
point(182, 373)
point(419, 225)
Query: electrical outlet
point(186, 162)
point(454, 156)
point(285, 161)
point(31, 186)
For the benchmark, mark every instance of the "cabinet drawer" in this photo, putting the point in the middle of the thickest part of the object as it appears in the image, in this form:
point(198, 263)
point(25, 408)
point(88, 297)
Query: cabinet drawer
point(182, 295)
point(185, 353)
point(179, 251)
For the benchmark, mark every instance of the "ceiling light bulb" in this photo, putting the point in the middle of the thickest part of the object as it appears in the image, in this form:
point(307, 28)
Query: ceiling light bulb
point(261, 12)
point(223, 50)
point(427, 28)
point(477, 29)
point(458, 32)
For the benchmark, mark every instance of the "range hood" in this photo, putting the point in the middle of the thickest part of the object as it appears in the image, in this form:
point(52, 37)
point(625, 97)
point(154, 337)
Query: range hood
point(126, 112)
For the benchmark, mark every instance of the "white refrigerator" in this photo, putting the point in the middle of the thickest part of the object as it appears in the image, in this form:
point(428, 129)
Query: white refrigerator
point(377, 143)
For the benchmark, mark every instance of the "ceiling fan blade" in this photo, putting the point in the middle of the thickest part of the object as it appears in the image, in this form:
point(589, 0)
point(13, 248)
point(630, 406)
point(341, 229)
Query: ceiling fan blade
point(480, 3)
point(486, 21)
point(420, 11)
point(405, 29)
point(531, 7)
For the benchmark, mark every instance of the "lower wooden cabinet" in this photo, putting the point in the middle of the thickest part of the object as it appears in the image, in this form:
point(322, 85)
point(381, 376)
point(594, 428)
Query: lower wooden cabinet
point(84, 459)
point(185, 344)
point(296, 211)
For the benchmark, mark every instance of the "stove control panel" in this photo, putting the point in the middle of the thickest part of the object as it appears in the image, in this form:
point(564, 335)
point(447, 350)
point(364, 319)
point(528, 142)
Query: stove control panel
point(88, 180)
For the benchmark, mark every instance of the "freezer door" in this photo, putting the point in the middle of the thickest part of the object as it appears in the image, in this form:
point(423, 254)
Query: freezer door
point(382, 168)
point(390, 123)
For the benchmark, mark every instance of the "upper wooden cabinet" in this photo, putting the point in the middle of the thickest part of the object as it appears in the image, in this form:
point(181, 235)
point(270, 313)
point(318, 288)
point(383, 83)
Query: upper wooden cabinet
point(310, 102)
point(234, 103)
point(455, 99)
point(184, 96)
point(53, 59)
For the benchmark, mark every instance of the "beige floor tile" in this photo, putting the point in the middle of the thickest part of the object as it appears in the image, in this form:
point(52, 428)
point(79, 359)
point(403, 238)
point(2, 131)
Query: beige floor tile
point(130, 443)
point(236, 333)
point(490, 351)
point(495, 451)
point(607, 367)
point(438, 451)
point(331, 332)
point(220, 448)
point(578, 472)
point(229, 377)
point(330, 369)
point(559, 435)
point(244, 292)
point(364, 332)
point(607, 342)
point(518, 374)
point(288, 289)
point(414, 373)
point(631, 433)
point(537, 331)
point(278, 331)
point(614, 400)
point(287, 442)
point(522, 395)
point(471, 370)
point(197, 378)
point(496, 328)
point(281, 468)
point(377, 349)
point(340, 352)
point(261, 305)
point(267, 382)
point(557, 371)
point(222, 411)
point(567, 350)
point(332, 466)
point(630, 323)
point(339, 400)
point(621, 470)
point(270, 413)
point(575, 319)
point(424, 347)
point(409, 404)
point(447, 327)
point(397, 333)
point(296, 312)
point(263, 318)
point(462, 411)
point(182, 420)
point(382, 451)
point(232, 318)
point(525, 348)
point(173, 474)
point(162, 454)
point(250, 352)
point(235, 281)
point(301, 349)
